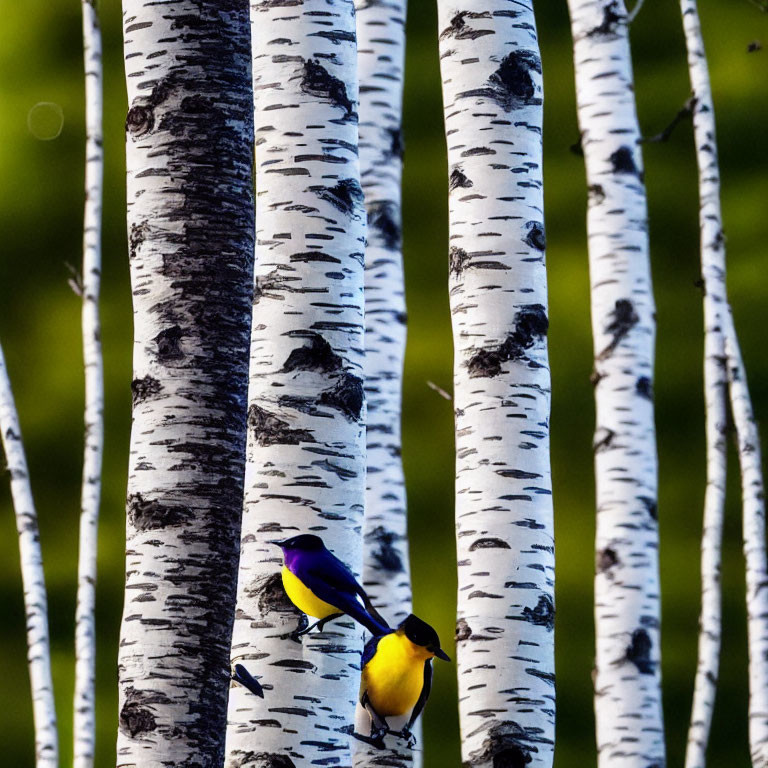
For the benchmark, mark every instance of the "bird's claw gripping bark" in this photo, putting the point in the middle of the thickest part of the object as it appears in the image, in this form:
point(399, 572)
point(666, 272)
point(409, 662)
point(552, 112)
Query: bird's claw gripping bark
point(406, 735)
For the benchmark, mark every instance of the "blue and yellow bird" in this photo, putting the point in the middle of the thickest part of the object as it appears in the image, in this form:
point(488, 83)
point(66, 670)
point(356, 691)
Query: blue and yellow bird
point(397, 678)
point(321, 586)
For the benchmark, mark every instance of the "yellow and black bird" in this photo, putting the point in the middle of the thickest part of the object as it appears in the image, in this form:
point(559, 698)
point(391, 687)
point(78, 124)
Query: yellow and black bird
point(320, 585)
point(397, 678)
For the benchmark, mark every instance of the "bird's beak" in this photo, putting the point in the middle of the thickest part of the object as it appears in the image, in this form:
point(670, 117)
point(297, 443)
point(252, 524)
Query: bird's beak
point(279, 543)
point(440, 653)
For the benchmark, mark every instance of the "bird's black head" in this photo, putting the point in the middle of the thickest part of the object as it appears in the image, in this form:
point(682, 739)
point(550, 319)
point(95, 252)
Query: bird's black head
point(421, 633)
point(304, 542)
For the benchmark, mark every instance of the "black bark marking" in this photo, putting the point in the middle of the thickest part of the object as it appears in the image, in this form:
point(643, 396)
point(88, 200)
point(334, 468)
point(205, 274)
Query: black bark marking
point(384, 551)
point(531, 325)
point(346, 396)
point(459, 180)
point(263, 759)
point(383, 217)
point(336, 36)
point(644, 388)
point(459, 260)
point(651, 506)
point(505, 745)
point(268, 429)
point(294, 664)
point(624, 319)
point(270, 593)
point(489, 543)
point(463, 631)
point(318, 81)
point(639, 652)
point(606, 559)
point(623, 161)
point(168, 345)
point(317, 355)
point(535, 237)
point(136, 237)
point(345, 196)
point(547, 677)
point(144, 389)
point(140, 119)
point(595, 194)
point(150, 514)
point(603, 439)
point(460, 30)
point(397, 144)
point(136, 715)
point(543, 615)
point(512, 86)
point(612, 17)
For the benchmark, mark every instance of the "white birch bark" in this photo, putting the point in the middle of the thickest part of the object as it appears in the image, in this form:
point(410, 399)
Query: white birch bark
point(716, 318)
point(33, 580)
point(386, 570)
point(85, 631)
point(190, 219)
point(306, 415)
point(492, 94)
point(628, 709)
point(753, 504)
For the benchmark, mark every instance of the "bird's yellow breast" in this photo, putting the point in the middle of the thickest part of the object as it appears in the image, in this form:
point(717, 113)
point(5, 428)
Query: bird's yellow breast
point(304, 598)
point(394, 677)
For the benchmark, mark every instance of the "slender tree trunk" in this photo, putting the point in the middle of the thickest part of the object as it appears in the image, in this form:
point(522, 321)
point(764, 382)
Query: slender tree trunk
point(33, 579)
point(190, 218)
point(630, 732)
point(306, 415)
point(386, 570)
point(85, 632)
point(716, 318)
point(753, 502)
point(492, 93)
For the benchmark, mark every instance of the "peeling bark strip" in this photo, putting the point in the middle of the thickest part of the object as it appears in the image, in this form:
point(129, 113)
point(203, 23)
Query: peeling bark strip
point(190, 215)
point(85, 629)
point(33, 580)
point(306, 436)
point(630, 732)
point(492, 92)
point(386, 570)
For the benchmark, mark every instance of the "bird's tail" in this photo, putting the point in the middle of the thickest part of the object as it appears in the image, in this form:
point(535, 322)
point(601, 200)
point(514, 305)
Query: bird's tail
point(373, 612)
point(375, 624)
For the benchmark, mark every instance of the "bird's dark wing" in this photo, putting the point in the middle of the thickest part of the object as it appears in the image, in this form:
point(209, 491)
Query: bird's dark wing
point(343, 600)
point(342, 578)
point(370, 650)
point(332, 581)
point(245, 678)
point(424, 695)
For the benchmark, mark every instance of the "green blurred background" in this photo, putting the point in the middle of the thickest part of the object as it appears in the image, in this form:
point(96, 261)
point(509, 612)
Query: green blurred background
point(41, 200)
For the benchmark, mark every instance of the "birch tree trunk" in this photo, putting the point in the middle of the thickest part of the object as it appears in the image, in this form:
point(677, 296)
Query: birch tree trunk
point(33, 580)
point(492, 94)
point(190, 219)
point(630, 732)
point(753, 503)
point(85, 632)
point(716, 318)
point(386, 570)
point(306, 414)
